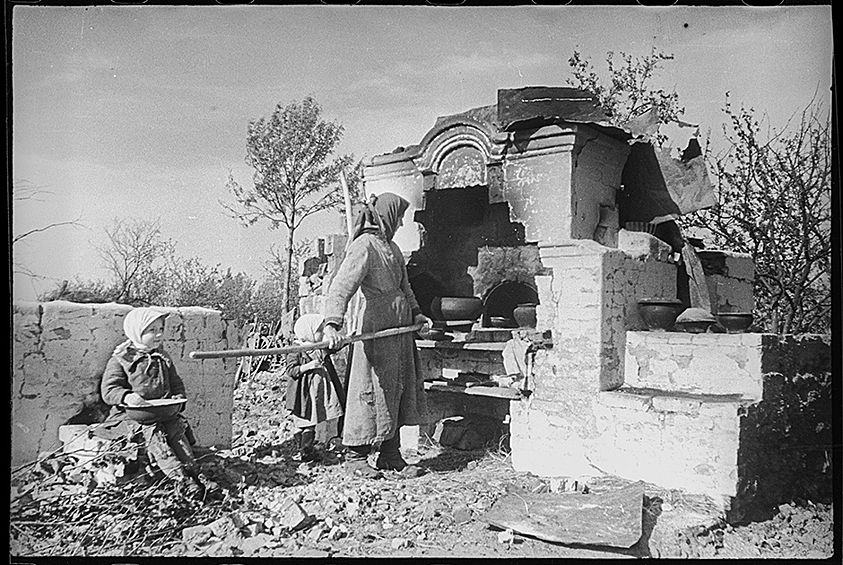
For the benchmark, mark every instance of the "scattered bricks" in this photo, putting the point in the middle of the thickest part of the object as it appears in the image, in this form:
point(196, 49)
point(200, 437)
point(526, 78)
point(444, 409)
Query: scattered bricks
point(462, 514)
point(252, 545)
point(196, 535)
point(237, 519)
point(314, 534)
point(290, 515)
point(400, 543)
point(221, 527)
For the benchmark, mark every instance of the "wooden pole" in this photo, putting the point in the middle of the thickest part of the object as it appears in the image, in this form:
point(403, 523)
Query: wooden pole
point(304, 347)
point(357, 300)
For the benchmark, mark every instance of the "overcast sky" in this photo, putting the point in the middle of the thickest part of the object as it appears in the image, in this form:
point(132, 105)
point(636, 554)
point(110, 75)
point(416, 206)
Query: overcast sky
point(142, 111)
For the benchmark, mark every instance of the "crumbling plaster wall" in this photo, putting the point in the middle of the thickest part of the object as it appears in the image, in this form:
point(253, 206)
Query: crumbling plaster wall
point(730, 277)
point(60, 350)
point(743, 418)
point(597, 168)
point(589, 302)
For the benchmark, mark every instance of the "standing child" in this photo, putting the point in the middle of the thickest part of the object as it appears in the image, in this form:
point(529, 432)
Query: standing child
point(139, 370)
point(312, 396)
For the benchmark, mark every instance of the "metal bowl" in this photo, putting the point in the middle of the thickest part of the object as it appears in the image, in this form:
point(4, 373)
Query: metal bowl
point(735, 322)
point(695, 320)
point(159, 409)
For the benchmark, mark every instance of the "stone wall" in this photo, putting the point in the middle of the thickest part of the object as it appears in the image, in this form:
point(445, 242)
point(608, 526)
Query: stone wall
point(60, 350)
point(786, 441)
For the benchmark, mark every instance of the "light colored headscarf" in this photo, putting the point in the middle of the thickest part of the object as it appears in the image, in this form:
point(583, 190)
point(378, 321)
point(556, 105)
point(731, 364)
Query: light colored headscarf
point(134, 323)
point(383, 212)
point(307, 326)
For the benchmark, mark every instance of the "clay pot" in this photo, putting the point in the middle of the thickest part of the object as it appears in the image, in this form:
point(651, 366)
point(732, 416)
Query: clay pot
point(735, 322)
point(525, 315)
point(456, 308)
point(659, 313)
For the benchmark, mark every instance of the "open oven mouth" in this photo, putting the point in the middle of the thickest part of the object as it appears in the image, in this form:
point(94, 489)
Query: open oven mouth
point(502, 299)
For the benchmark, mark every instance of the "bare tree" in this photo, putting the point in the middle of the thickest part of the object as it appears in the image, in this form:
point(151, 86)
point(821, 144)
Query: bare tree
point(26, 191)
point(135, 253)
point(294, 176)
point(774, 189)
point(629, 92)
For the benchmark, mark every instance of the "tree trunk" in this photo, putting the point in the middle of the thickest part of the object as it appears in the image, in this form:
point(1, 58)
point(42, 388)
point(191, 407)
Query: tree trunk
point(288, 271)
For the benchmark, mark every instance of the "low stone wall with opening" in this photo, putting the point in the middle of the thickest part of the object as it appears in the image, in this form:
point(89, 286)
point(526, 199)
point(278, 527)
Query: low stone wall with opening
point(60, 350)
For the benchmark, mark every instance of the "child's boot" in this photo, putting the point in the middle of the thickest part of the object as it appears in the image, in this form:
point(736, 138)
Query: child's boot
point(187, 486)
point(306, 450)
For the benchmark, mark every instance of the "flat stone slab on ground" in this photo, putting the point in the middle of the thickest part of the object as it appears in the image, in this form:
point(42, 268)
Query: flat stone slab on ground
point(612, 518)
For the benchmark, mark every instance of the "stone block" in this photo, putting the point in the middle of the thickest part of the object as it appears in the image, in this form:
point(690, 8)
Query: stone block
point(289, 514)
point(695, 363)
point(643, 246)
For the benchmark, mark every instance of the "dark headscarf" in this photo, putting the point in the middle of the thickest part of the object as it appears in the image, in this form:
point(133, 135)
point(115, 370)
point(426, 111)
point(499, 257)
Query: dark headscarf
point(382, 214)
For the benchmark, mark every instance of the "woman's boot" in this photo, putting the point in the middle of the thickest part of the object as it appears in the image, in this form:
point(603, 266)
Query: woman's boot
point(357, 461)
point(390, 458)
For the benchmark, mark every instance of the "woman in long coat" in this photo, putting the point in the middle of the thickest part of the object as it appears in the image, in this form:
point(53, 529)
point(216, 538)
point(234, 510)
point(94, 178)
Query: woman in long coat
point(385, 387)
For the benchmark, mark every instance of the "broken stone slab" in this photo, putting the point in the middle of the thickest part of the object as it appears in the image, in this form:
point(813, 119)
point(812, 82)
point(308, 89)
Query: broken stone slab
point(196, 535)
point(610, 518)
point(462, 514)
point(288, 514)
point(225, 525)
point(252, 545)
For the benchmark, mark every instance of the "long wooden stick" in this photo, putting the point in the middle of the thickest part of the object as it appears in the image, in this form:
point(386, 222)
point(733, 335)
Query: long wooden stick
point(304, 347)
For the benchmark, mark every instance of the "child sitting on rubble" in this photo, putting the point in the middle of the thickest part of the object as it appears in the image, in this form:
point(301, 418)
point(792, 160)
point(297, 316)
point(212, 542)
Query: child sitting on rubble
point(138, 371)
point(312, 396)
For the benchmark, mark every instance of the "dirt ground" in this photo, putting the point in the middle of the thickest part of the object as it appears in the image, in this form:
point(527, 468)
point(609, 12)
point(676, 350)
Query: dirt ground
point(274, 507)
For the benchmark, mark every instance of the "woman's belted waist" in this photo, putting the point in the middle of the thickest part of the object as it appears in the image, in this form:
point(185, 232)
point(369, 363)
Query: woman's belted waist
point(383, 296)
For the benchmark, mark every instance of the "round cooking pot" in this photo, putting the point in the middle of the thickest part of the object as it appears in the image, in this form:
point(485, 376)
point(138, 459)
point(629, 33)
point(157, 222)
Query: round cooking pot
point(525, 315)
point(456, 307)
point(735, 322)
point(659, 313)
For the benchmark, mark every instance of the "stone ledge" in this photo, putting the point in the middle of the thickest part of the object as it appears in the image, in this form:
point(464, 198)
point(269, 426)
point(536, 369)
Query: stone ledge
point(644, 400)
point(628, 400)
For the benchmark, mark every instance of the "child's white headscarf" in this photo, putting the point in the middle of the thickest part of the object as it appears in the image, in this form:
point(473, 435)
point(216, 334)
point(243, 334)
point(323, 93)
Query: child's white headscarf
point(307, 326)
point(134, 323)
